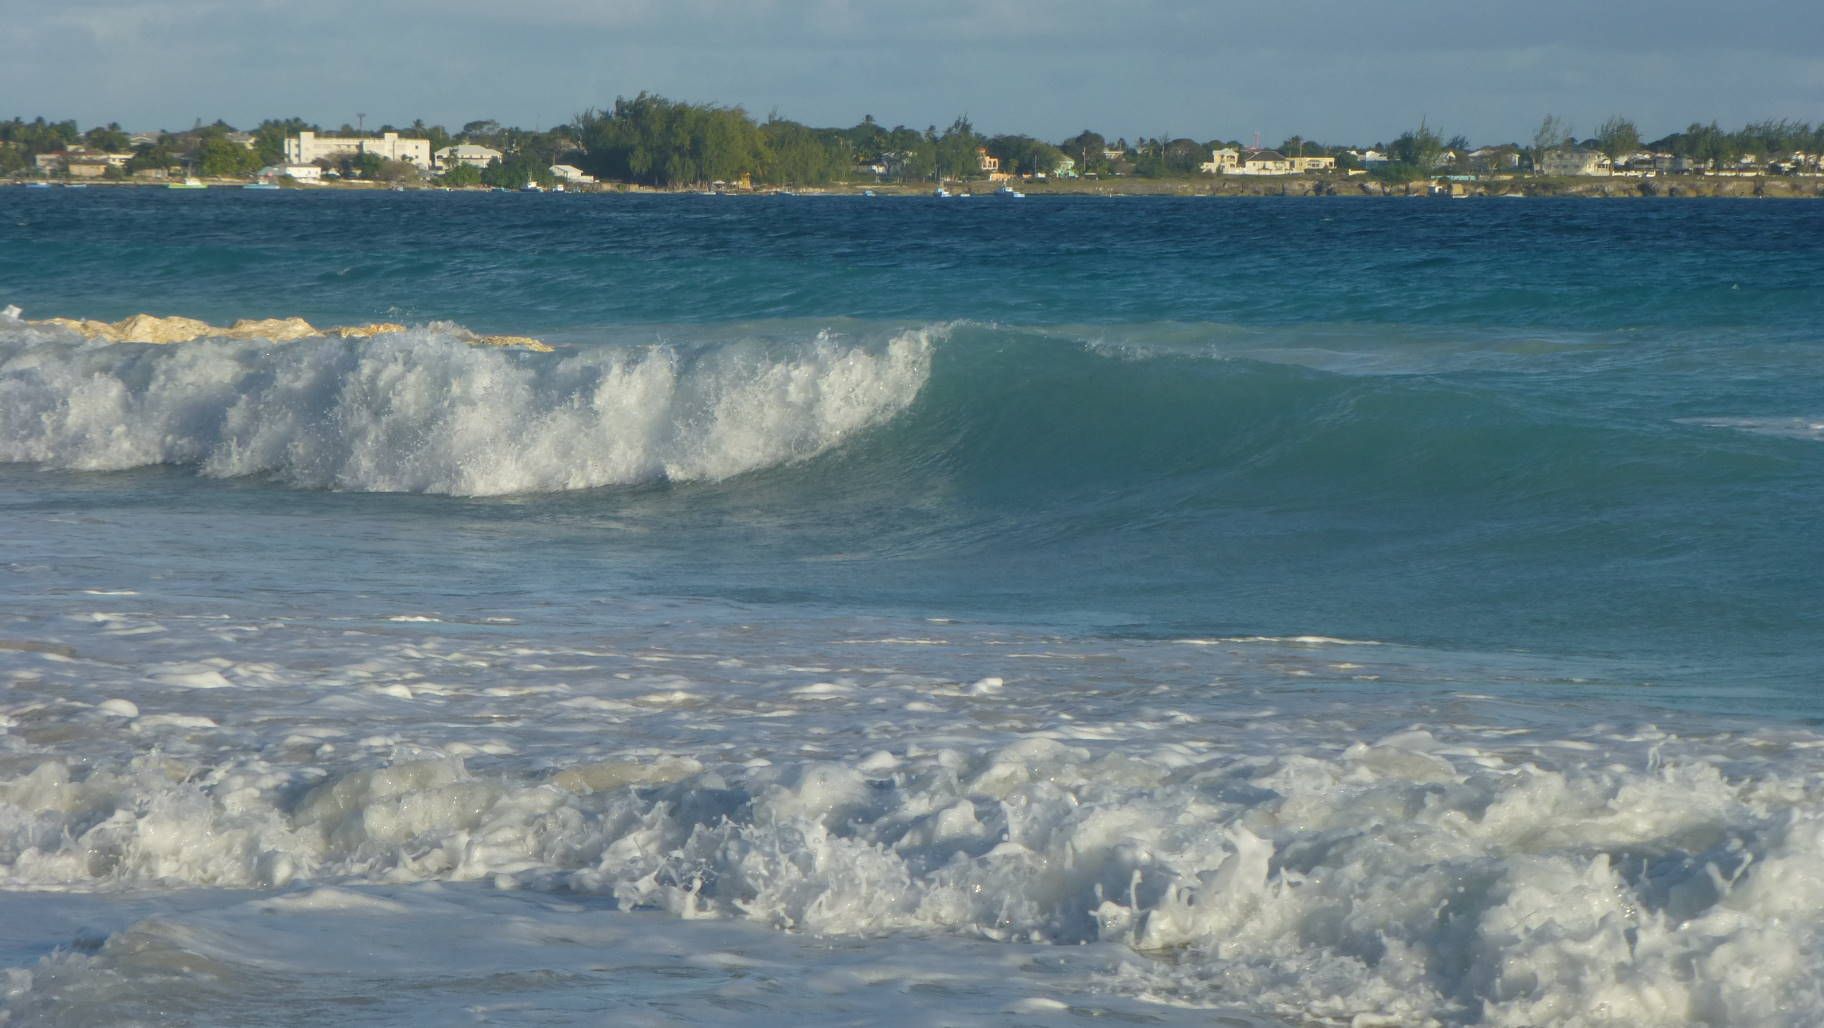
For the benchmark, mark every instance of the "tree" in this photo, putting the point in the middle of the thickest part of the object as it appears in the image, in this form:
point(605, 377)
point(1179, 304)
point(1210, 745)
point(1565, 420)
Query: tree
point(664, 142)
point(958, 150)
point(110, 139)
point(1415, 153)
point(1618, 138)
point(397, 171)
point(269, 138)
point(795, 155)
point(1710, 145)
point(363, 165)
point(460, 174)
point(1552, 133)
point(219, 157)
point(151, 157)
point(1087, 147)
point(438, 137)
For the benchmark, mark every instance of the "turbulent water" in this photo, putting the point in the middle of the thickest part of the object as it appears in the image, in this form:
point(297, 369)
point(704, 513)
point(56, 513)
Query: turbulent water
point(912, 611)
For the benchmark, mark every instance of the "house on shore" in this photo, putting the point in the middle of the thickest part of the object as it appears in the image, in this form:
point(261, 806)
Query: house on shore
point(989, 165)
point(464, 153)
point(308, 147)
point(1230, 161)
point(571, 175)
point(1573, 161)
point(80, 162)
point(295, 172)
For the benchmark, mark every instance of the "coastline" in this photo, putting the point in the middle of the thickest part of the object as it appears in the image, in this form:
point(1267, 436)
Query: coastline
point(1594, 187)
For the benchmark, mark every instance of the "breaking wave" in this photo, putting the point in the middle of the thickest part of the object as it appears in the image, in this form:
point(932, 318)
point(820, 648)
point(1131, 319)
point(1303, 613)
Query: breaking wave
point(1417, 878)
point(420, 410)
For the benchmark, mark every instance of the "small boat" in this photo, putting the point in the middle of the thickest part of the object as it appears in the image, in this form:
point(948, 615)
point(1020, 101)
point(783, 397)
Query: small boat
point(261, 185)
point(75, 185)
point(532, 187)
point(867, 192)
point(188, 183)
point(37, 185)
point(1010, 192)
point(941, 193)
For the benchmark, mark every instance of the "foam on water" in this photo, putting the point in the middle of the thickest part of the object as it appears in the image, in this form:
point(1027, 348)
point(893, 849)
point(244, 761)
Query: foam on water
point(1171, 633)
point(1429, 857)
point(1790, 428)
point(421, 411)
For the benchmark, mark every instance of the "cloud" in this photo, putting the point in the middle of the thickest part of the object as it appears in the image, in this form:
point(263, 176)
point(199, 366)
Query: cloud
point(1322, 68)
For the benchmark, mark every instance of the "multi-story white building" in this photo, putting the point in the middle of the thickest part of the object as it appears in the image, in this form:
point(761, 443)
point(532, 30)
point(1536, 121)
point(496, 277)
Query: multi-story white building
point(306, 147)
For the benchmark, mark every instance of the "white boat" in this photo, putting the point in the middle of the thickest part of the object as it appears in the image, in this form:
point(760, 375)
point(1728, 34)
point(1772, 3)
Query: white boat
point(261, 185)
point(1010, 192)
point(188, 183)
point(941, 193)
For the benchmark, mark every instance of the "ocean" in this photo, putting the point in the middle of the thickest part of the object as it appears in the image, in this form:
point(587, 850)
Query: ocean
point(910, 611)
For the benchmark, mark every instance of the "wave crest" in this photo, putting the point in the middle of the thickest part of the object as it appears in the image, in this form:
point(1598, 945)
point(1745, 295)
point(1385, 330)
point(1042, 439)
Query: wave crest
point(421, 411)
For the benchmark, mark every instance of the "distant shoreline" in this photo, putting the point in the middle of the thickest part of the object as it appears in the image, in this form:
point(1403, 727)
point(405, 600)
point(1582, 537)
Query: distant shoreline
point(1617, 187)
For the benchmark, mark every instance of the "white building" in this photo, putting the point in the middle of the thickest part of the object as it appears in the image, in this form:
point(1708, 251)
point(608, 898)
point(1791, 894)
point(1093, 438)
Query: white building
point(571, 173)
point(307, 147)
point(1230, 161)
point(298, 172)
point(464, 153)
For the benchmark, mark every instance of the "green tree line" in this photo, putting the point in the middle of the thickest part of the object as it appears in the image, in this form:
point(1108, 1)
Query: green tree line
point(653, 140)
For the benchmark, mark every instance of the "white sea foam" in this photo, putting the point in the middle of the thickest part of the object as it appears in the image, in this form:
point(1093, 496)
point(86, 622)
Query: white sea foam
point(1297, 640)
point(422, 411)
point(1790, 428)
point(1405, 862)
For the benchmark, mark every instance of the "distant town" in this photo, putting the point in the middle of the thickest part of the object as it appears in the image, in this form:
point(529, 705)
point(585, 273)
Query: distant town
point(650, 142)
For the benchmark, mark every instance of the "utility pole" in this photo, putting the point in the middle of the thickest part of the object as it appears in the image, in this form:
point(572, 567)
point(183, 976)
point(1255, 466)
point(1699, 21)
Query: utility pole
point(361, 123)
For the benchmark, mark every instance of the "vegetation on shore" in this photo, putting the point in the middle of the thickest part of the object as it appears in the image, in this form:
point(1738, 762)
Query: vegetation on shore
point(652, 141)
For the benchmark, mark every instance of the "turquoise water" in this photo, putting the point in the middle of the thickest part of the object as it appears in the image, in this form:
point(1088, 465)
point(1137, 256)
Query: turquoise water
point(1120, 522)
point(1555, 427)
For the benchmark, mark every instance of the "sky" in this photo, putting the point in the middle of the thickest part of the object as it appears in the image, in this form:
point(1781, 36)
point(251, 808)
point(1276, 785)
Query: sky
point(1336, 71)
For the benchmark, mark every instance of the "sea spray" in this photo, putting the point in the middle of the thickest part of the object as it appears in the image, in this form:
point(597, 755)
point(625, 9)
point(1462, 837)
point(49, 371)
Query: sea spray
point(420, 411)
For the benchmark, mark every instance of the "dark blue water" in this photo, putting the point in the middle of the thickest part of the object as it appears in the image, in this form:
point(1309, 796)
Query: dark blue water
point(1573, 428)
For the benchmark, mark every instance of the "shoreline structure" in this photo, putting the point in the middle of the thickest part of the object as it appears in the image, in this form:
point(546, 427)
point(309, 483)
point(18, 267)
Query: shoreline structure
point(1595, 187)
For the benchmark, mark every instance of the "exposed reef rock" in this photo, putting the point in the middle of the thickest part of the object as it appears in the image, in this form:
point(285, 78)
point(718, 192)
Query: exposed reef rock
point(149, 328)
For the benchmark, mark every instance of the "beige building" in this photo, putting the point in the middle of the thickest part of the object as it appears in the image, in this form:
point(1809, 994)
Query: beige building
point(1221, 162)
point(80, 162)
point(464, 153)
point(1573, 162)
point(1301, 165)
point(572, 174)
point(306, 147)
